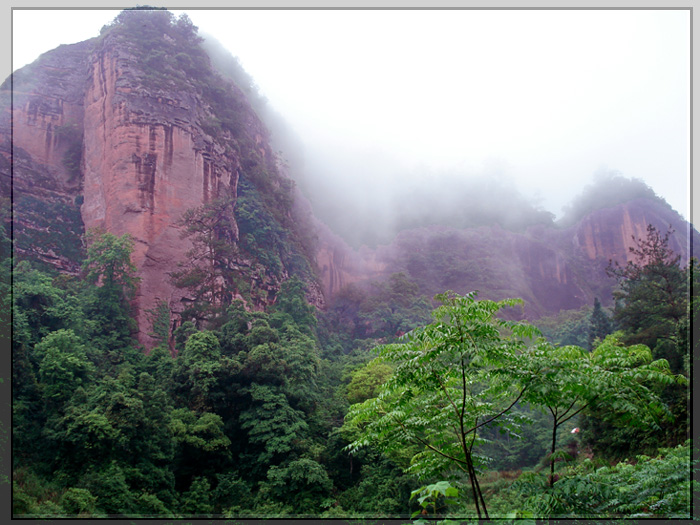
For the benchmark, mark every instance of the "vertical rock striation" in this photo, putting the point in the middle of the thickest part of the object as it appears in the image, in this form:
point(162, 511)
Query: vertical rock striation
point(551, 268)
point(90, 137)
point(146, 162)
point(41, 131)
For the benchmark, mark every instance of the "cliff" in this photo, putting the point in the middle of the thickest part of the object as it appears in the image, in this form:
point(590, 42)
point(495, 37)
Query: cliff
point(101, 135)
point(41, 129)
point(551, 268)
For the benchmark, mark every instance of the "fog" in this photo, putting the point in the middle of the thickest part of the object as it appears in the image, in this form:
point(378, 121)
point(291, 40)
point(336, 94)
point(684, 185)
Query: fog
point(385, 112)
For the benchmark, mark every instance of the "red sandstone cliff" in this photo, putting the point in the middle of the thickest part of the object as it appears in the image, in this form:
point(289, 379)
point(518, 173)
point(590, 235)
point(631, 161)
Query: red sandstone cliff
point(97, 144)
point(551, 268)
point(146, 161)
point(41, 127)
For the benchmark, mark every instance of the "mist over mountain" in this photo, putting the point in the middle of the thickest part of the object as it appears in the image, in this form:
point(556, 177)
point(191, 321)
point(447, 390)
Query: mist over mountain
point(360, 201)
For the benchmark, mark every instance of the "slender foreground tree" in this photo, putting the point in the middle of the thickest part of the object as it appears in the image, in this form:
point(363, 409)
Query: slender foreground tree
point(614, 378)
point(451, 378)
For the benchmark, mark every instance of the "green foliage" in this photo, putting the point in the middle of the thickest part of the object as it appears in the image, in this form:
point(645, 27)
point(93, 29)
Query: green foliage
point(109, 262)
point(653, 308)
point(601, 325)
point(291, 300)
point(196, 501)
point(367, 381)
point(232, 494)
point(614, 378)
point(261, 234)
point(64, 365)
point(160, 319)
point(450, 378)
point(274, 428)
point(434, 498)
point(645, 487)
point(201, 446)
point(382, 488)
point(201, 432)
point(302, 484)
point(510, 450)
point(78, 502)
point(57, 227)
point(394, 308)
point(144, 29)
point(207, 273)
point(197, 372)
point(110, 487)
point(110, 271)
point(567, 327)
point(360, 317)
point(247, 419)
point(5, 267)
point(39, 306)
point(182, 333)
point(652, 295)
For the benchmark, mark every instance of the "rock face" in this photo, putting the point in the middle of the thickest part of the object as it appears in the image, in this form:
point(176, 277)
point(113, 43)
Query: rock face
point(41, 128)
point(146, 162)
point(551, 269)
point(608, 233)
point(87, 145)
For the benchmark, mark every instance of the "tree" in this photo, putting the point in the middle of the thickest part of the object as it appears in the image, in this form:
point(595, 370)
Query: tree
point(291, 301)
point(653, 307)
point(40, 307)
point(64, 366)
point(451, 378)
point(109, 263)
point(274, 429)
point(367, 380)
point(160, 322)
point(652, 296)
point(210, 228)
point(110, 271)
point(394, 308)
point(302, 483)
point(197, 372)
point(614, 378)
point(201, 446)
point(600, 324)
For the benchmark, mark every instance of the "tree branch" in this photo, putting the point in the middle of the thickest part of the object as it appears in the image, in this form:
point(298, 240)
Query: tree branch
point(500, 413)
point(431, 447)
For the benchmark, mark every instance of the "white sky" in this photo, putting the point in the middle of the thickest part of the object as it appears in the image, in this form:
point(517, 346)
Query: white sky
point(548, 96)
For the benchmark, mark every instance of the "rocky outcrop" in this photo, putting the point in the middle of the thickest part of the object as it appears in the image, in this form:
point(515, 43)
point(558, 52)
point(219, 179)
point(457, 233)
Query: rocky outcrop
point(41, 130)
point(608, 233)
point(339, 266)
point(146, 162)
point(550, 268)
point(88, 141)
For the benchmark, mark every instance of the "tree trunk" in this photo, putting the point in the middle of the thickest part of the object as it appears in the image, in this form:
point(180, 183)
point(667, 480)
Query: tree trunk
point(551, 457)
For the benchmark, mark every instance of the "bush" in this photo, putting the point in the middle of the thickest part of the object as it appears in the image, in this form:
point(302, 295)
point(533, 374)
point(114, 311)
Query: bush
point(78, 502)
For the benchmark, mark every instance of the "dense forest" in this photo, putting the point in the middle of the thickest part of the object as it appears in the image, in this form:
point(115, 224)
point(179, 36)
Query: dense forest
point(386, 403)
point(289, 412)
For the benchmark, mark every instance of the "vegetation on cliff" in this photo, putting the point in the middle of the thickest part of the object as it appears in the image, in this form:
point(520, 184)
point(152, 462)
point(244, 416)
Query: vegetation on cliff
point(608, 190)
point(260, 230)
